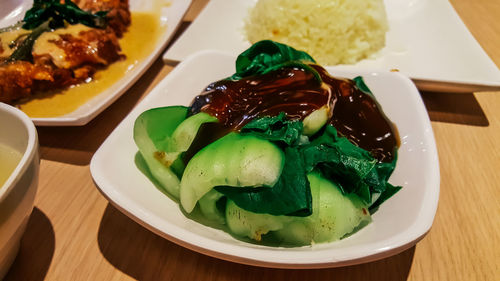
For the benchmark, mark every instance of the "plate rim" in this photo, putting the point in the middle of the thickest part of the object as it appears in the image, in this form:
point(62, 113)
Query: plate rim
point(134, 211)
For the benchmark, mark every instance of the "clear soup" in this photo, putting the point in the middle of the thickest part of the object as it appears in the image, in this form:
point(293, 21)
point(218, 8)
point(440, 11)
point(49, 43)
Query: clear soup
point(9, 158)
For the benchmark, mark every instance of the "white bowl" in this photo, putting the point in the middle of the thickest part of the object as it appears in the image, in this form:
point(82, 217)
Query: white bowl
point(18, 193)
point(399, 223)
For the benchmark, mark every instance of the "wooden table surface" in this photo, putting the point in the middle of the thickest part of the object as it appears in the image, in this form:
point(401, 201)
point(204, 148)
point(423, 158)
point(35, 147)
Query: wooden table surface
point(75, 234)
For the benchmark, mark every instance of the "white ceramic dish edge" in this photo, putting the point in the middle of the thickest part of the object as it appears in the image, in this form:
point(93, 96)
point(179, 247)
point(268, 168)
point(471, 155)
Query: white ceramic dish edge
point(27, 157)
point(18, 192)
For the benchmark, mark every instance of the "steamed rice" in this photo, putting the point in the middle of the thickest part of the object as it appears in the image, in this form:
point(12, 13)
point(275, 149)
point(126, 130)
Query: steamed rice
point(331, 31)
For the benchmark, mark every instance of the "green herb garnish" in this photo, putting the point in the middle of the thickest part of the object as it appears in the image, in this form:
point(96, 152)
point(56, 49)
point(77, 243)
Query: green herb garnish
point(57, 13)
point(23, 51)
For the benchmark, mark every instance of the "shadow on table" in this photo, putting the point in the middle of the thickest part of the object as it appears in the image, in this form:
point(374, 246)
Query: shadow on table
point(36, 251)
point(78, 144)
point(454, 108)
point(145, 256)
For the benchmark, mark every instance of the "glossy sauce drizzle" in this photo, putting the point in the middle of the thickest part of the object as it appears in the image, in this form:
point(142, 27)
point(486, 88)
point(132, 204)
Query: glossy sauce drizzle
point(296, 92)
point(358, 116)
point(289, 90)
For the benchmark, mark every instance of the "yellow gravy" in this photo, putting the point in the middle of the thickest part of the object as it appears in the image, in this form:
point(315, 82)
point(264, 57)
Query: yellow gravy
point(138, 42)
point(9, 158)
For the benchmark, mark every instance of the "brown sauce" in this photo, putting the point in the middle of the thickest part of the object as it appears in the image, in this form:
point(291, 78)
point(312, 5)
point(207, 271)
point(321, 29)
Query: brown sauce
point(359, 117)
point(354, 114)
point(235, 103)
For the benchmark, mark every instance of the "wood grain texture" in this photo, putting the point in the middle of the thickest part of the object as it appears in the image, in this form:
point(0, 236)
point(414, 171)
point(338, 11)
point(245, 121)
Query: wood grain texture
point(75, 234)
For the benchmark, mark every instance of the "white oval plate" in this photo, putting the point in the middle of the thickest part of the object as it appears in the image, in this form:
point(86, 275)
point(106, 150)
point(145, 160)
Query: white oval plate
point(427, 41)
point(399, 223)
point(171, 14)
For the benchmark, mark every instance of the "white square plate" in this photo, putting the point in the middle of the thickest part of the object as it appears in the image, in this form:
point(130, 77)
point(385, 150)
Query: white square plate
point(427, 41)
point(398, 224)
point(171, 14)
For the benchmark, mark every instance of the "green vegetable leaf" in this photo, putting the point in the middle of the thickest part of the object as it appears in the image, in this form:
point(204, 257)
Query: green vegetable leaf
point(351, 167)
point(386, 194)
point(266, 56)
point(276, 129)
point(291, 195)
point(360, 83)
point(57, 13)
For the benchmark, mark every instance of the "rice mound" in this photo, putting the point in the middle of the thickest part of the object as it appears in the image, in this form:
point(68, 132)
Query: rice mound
point(331, 31)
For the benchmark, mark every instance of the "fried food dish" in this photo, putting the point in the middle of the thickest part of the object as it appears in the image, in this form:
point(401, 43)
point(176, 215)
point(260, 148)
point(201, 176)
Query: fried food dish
point(62, 57)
